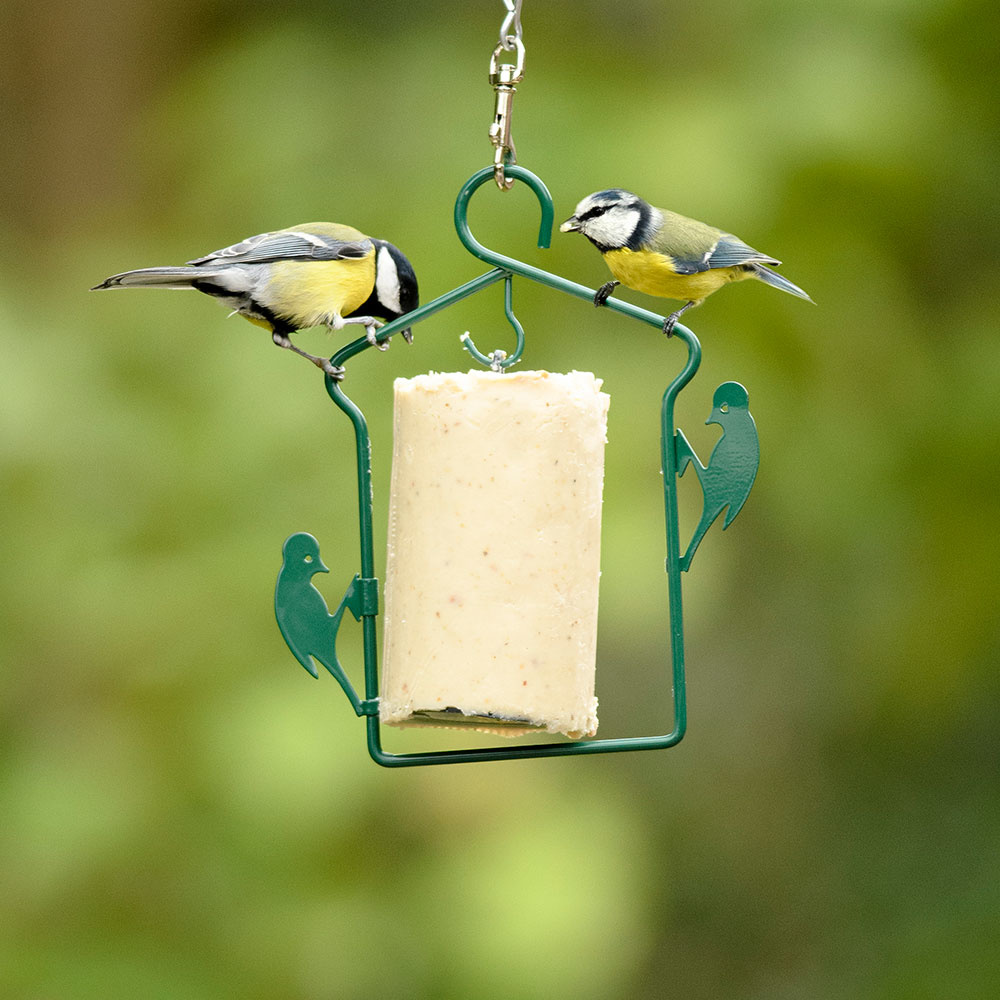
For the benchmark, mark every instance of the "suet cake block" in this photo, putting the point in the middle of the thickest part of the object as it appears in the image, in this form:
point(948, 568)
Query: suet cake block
point(494, 552)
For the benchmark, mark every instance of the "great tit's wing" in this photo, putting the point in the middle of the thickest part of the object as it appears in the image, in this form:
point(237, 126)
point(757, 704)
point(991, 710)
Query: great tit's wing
point(286, 245)
point(727, 251)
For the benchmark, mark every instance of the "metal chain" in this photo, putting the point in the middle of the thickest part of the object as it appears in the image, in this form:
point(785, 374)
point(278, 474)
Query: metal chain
point(504, 79)
point(510, 29)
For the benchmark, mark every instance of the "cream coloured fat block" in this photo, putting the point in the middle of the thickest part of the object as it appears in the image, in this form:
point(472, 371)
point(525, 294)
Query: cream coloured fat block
point(494, 552)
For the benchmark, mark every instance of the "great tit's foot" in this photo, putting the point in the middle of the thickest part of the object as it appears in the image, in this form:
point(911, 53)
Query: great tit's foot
point(371, 335)
point(323, 363)
point(407, 335)
point(370, 323)
point(604, 291)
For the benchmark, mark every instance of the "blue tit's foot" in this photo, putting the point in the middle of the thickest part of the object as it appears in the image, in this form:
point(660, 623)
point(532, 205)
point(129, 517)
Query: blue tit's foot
point(604, 291)
point(336, 372)
point(671, 321)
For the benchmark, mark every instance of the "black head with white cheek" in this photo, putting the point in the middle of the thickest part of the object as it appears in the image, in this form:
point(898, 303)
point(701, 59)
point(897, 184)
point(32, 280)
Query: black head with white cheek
point(395, 292)
point(613, 220)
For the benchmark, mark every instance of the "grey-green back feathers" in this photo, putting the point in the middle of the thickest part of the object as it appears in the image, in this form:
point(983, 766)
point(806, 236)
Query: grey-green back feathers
point(298, 243)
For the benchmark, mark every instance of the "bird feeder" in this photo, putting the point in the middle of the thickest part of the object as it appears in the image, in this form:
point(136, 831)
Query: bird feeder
point(500, 634)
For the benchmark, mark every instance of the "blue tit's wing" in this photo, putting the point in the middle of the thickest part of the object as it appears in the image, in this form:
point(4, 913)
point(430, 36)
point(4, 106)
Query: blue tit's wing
point(727, 251)
point(731, 251)
point(286, 244)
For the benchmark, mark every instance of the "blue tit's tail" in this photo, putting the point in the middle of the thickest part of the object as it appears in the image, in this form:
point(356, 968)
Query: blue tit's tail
point(770, 278)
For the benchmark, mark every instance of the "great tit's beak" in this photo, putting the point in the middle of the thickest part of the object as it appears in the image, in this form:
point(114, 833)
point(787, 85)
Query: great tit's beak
point(571, 225)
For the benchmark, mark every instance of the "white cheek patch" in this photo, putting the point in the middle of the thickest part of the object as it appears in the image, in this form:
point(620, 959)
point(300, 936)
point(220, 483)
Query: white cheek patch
point(615, 227)
point(387, 281)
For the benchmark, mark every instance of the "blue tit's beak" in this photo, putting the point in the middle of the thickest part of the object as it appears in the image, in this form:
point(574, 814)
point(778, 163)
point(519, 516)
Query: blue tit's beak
point(571, 225)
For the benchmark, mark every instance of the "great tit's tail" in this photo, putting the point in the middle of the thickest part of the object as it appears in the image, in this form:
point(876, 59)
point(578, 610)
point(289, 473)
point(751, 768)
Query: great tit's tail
point(769, 277)
point(156, 277)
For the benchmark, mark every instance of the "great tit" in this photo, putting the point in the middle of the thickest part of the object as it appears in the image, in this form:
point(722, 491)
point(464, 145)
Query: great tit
point(317, 274)
point(663, 253)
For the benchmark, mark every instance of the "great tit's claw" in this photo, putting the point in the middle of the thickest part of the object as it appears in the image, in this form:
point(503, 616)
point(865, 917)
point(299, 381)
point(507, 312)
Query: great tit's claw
point(372, 338)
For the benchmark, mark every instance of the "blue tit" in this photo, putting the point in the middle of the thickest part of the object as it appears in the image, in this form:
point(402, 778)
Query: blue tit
point(662, 253)
point(317, 274)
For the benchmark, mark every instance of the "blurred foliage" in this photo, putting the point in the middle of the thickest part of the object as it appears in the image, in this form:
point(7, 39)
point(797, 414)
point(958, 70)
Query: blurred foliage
point(186, 814)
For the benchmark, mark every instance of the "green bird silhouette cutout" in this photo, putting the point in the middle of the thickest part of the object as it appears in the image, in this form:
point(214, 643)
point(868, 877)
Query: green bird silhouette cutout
point(727, 479)
point(303, 617)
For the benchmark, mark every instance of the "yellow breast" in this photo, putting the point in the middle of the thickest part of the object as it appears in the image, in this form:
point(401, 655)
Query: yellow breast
point(654, 274)
point(311, 292)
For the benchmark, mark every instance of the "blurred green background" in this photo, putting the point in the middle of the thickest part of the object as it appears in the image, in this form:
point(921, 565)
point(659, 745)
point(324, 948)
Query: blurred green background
point(186, 814)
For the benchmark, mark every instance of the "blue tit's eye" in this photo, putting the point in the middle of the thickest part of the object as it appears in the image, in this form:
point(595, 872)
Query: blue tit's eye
point(592, 213)
point(724, 407)
point(309, 558)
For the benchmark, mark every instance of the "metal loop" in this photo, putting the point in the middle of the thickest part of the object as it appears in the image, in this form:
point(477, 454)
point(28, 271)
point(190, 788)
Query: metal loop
point(505, 72)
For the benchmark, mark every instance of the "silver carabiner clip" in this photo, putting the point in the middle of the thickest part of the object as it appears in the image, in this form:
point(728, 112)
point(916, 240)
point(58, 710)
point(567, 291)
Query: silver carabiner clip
point(504, 78)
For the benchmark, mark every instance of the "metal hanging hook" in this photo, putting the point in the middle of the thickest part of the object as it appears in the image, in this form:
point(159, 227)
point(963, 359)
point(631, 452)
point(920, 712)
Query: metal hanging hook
point(508, 264)
point(498, 360)
point(476, 181)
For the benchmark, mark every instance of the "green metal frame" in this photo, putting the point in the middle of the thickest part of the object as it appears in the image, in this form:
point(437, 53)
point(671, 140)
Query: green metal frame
point(310, 632)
